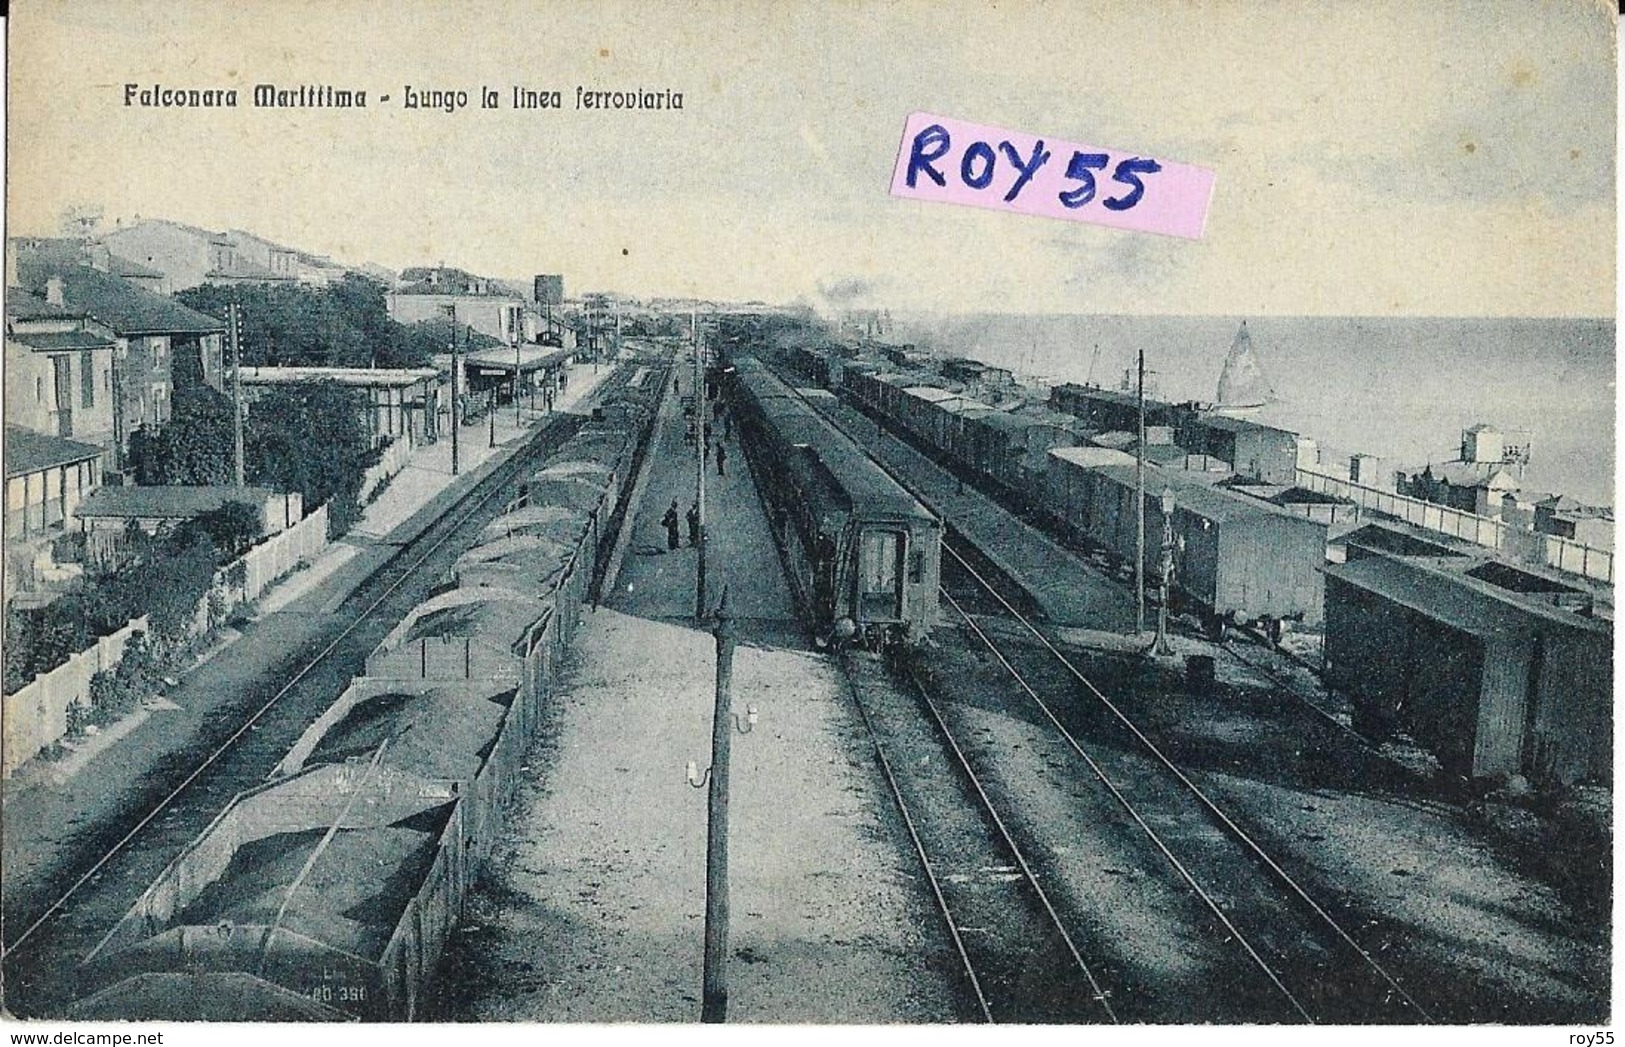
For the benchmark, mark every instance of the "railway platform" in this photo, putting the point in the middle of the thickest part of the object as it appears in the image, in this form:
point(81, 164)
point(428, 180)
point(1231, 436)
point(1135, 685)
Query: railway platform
point(597, 892)
point(1068, 589)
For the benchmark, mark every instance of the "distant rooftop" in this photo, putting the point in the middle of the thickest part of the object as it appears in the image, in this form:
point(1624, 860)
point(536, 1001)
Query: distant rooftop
point(121, 305)
point(446, 280)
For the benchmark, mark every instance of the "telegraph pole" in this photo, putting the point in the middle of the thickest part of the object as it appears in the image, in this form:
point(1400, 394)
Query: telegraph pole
point(699, 467)
point(234, 317)
point(1139, 510)
point(456, 365)
point(714, 1000)
point(1165, 569)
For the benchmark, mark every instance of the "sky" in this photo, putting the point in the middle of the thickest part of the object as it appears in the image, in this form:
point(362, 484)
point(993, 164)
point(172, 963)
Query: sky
point(1375, 158)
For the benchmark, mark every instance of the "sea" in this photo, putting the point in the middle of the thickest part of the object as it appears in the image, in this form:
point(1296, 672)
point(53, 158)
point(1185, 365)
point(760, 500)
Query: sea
point(1402, 388)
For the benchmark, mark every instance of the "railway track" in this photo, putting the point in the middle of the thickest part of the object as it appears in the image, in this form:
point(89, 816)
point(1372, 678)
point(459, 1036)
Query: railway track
point(1020, 963)
point(1315, 965)
point(237, 748)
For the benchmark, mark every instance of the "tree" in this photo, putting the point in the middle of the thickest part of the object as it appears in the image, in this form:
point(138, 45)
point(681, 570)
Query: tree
point(195, 447)
point(345, 324)
point(233, 528)
point(310, 438)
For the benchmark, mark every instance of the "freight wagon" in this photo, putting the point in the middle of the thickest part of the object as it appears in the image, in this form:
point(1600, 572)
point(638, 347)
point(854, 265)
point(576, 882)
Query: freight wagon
point(1237, 561)
point(330, 891)
point(1494, 668)
point(862, 553)
point(1259, 451)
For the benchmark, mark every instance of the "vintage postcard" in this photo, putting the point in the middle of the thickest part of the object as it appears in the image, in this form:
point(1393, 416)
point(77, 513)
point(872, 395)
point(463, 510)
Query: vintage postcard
point(847, 512)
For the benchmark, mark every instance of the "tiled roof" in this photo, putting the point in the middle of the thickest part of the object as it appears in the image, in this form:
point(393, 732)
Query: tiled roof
point(20, 305)
point(168, 502)
point(121, 305)
point(62, 341)
point(30, 452)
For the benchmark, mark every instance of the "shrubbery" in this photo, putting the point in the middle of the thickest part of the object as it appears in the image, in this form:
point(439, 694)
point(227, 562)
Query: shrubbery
point(164, 578)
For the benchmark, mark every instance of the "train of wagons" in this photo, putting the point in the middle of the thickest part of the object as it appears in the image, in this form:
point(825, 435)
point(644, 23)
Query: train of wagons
point(1238, 559)
point(330, 891)
point(862, 553)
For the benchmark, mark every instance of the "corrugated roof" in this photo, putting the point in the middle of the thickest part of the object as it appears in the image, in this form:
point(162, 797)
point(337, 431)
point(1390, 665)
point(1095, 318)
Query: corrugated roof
point(30, 452)
point(169, 502)
point(62, 341)
point(121, 305)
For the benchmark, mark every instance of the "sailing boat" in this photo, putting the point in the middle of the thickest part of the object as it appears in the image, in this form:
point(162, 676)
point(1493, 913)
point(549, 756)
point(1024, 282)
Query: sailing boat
point(1243, 388)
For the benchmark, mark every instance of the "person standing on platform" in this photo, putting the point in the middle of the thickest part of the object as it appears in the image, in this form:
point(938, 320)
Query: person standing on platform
point(669, 522)
point(693, 524)
point(728, 427)
point(722, 459)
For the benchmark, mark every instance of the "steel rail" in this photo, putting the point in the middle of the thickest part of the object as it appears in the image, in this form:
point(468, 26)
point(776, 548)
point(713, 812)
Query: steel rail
point(1213, 809)
point(925, 861)
point(1129, 808)
point(1031, 877)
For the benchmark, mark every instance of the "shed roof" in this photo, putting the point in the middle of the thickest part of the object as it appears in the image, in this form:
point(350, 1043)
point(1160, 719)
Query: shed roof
point(31, 452)
point(1225, 423)
point(531, 358)
point(379, 377)
point(170, 502)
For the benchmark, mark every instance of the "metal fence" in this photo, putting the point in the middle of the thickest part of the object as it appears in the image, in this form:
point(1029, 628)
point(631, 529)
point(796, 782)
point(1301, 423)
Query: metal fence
point(1516, 542)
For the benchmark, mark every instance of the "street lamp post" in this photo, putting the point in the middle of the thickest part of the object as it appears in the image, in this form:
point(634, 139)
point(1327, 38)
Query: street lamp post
point(714, 994)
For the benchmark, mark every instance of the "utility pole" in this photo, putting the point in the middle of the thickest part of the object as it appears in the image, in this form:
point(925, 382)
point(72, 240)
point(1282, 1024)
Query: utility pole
point(456, 365)
point(516, 420)
point(1139, 510)
point(714, 998)
point(699, 466)
point(234, 317)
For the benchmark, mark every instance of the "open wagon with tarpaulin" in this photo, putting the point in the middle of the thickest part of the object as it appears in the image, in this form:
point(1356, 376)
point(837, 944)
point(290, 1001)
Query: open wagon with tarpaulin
point(340, 884)
point(474, 733)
